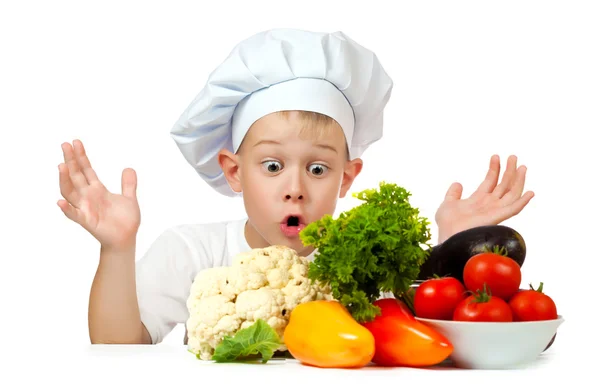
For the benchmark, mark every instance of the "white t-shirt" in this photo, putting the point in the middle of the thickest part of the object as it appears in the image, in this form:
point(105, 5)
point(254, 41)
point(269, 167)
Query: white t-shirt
point(165, 273)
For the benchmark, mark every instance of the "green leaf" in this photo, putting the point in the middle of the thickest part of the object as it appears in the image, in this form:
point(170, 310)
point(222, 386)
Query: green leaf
point(258, 339)
point(378, 246)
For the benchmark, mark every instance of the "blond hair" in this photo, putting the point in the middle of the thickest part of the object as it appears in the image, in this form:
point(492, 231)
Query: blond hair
point(314, 125)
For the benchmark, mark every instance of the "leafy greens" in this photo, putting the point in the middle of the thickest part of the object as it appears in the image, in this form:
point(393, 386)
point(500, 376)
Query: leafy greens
point(258, 339)
point(375, 247)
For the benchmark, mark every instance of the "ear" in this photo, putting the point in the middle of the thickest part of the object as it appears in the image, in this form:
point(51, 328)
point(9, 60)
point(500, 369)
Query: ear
point(352, 169)
point(229, 163)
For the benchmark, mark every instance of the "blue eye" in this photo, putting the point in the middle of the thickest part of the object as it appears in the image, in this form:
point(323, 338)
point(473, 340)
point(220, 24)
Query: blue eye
point(272, 166)
point(317, 169)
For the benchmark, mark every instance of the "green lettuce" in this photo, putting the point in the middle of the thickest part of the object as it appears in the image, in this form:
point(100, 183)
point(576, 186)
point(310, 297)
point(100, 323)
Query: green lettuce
point(259, 339)
point(378, 246)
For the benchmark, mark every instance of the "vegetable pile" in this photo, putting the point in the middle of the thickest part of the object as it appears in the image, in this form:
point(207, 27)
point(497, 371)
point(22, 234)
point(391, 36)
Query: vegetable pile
point(354, 305)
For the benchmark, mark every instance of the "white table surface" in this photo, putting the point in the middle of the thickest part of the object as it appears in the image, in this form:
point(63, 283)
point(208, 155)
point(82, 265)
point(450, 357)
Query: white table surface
point(170, 367)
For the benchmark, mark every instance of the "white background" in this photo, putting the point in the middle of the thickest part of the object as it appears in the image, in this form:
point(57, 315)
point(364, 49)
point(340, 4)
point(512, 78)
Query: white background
point(471, 79)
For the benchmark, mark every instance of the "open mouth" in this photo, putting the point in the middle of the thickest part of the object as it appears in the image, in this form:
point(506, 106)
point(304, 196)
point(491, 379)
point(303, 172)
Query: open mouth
point(292, 225)
point(293, 221)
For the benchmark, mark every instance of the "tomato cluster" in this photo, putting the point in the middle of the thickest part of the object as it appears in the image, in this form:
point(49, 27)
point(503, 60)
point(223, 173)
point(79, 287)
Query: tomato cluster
point(490, 293)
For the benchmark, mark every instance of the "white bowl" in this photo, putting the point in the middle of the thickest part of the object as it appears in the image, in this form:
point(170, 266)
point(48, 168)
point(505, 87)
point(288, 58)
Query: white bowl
point(495, 345)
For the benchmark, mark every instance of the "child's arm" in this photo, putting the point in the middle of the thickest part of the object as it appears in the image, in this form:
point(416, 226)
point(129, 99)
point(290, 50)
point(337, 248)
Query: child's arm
point(113, 219)
point(114, 315)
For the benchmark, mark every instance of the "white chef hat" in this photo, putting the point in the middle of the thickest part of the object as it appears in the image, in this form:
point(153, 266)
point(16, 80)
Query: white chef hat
point(283, 69)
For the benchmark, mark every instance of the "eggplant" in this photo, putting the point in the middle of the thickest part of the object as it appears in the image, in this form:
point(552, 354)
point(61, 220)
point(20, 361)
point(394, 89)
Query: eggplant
point(449, 258)
point(551, 342)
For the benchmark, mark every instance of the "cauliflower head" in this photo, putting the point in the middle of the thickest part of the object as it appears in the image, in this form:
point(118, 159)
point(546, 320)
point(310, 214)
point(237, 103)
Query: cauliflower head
point(266, 283)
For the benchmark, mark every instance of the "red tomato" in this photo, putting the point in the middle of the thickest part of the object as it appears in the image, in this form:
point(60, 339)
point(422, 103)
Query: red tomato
point(437, 298)
point(532, 304)
point(500, 273)
point(481, 307)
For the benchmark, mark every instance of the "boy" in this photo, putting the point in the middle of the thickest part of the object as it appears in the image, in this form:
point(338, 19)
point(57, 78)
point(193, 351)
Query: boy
point(283, 122)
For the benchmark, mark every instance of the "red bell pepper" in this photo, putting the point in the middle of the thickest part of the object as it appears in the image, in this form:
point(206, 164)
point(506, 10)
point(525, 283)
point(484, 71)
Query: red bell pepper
point(401, 340)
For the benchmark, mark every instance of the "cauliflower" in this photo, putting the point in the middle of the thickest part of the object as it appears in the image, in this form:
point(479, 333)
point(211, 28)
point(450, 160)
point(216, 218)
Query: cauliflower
point(266, 283)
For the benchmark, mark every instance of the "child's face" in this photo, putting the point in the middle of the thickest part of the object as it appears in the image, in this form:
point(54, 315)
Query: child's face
point(284, 170)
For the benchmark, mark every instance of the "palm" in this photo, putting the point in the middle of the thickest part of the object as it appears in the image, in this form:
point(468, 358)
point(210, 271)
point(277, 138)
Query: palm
point(490, 204)
point(108, 216)
point(113, 219)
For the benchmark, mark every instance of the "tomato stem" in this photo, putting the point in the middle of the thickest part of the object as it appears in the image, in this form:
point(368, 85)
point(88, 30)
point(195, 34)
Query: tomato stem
point(436, 276)
point(539, 289)
point(496, 250)
point(482, 297)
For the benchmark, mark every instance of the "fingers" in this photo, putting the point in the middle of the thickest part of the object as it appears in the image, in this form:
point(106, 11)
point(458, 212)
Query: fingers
point(84, 162)
point(507, 178)
point(515, 208)
point(491, 178)
point(454, 192)
point(129, 183)
point(517, 187)
point(70, 211)
point(77, 178)
point(67, 190)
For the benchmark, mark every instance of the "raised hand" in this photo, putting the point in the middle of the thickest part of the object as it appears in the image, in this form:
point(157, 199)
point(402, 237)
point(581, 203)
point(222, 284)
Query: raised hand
point(113, 219)
point(490, 204)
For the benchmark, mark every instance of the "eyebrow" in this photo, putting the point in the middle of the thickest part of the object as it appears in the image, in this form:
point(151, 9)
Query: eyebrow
point(323, 146)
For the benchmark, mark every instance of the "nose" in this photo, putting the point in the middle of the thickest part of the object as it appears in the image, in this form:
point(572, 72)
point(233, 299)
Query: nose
point(289, 197)
point(294, 189)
